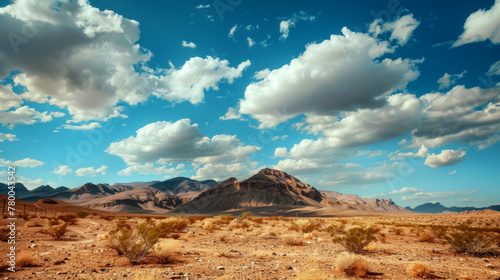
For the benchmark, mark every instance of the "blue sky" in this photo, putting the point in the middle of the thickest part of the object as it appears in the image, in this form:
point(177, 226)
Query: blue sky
point(375, 98)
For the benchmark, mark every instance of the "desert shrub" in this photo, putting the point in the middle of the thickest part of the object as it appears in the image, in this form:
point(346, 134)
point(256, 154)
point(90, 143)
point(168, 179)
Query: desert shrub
point(336, 229)
point(427, 236)
point(305, 225)
point(355, 239)
point(25, 259)
point(351, 264)
point(418, 270)
point(34, 223)
point(53, 221)
point(134, 243)
point(194, 219)
point(69, 218)
point(210, 225)
point(244, 215)
point(292, 240)
point(172, 224)
point(242, 224)
point(82, 214)
point(56, 231)
point(165, 251)
point(469, 240)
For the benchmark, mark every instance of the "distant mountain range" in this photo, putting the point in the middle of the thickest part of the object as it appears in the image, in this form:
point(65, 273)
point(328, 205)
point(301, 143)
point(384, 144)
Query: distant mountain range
point(436, 207)
point(267, 192)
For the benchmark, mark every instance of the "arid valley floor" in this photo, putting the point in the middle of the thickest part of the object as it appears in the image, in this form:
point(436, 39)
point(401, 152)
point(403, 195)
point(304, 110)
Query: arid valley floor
point(253, 248)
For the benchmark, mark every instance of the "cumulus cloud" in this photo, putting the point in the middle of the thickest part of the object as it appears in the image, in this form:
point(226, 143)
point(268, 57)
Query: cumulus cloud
point(220, 171)
point(196, 76)
point(231, 114)
point(356, 178)
point(90, 171)
point(339, 74)
point(62, 170)
point(287, 24)
point(481, 25)
point(188, 45)
point(26, 162)
point(26, 115)
point(405, 190)
point(89, 126)
point(180, 141)
point(448, 80)
point(150, 168)
point(445, 158)
point(93, 60)
point(8, 98)
point(434, 195)
point(401, 29)
point(9, 137)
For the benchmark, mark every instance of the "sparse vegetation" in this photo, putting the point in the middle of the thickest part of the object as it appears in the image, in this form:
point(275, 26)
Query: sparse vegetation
point(25, 259)
point(351, 264)
point(244, 215)
point(69, 218)
point(56, 231)
point(82, 214)
point(165, 251)
point(469, 240)
point(419, 270)
point(292, 240)
point(427, 236)
point(355, 239)
point(306, 225)
point(134, 243)
point(171, 225)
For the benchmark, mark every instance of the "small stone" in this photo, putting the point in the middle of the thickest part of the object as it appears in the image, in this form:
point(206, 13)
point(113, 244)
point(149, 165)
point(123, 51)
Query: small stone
point(220, 267)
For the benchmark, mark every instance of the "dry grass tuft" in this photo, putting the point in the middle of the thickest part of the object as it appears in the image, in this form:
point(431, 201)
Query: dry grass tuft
point(165, 250)
point(25, 259)
point(419, 270)
point(55, 232)
point(427, 236)
point(351, 264)
point(292, 240)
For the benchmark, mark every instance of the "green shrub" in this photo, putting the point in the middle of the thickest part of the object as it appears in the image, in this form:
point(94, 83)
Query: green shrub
point(82, 214)
point(355, 239)
point(134, 243)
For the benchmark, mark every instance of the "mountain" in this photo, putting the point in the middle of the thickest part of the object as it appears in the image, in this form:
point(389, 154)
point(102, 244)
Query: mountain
point(436, 207)
point(88, 192)
point(182, 184)
point(20, 189)
point(136, 200)
point(272, 190)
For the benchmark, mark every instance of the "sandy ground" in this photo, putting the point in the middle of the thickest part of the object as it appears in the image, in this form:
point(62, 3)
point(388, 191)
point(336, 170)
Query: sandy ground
point(257, 248)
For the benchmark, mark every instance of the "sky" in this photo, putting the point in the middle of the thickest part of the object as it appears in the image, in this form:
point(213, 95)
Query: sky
point(382, 99)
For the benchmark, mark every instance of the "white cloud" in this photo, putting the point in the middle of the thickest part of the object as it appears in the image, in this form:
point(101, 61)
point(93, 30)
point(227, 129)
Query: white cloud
point(26, 162)
point(377, 195)
point(405, 190)
point(232, 31)
point(251, 42)
point(62, 170)
point(261, 74)
point(494, 69)
point(448, 80)
point(25, 115)
point(286, 24)
point(90, 171)
point(401, 29)
point(8, 137)
point(179, 142)
point(356, 178)
point(445, 158)
point(231, 114)
point(150, 168)
point(201, 6)
point(196, 76)
point(93, 61)
point(297, 167)
point(433, 195)
point(452, 172)
point(339, 74)
point(220, 171)
point(188, 45)
point(8, 98)
point(481, 25)
point(89, 126)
